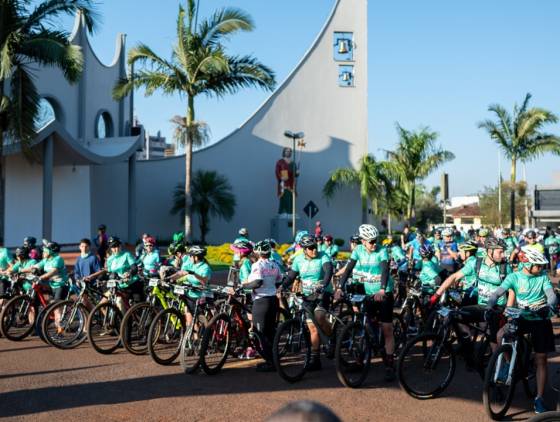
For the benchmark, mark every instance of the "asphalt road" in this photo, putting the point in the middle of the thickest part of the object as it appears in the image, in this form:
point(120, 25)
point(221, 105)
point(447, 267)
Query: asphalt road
point(39, 382)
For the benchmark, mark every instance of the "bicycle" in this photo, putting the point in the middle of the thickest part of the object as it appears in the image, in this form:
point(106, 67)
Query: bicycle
point(361, 340)
point(427, 363)
point(510, 363)
point(292, 342)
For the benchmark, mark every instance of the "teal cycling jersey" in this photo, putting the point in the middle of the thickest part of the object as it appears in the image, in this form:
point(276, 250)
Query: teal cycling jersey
point(397, 254)
point(186, 263)
point(201, 269)
point(469, 280)
point(488, 279)
point(51, 263)
point(5, 259)
point(331, 251)
point(121, 263)
point(368, 266)
point(552, 243)
point(428, 274)
point(275, 256)
point(529, 291)
point(245, 272)
point(150, 262)
point(19, 265)
point(511, 244)
point(311, 272)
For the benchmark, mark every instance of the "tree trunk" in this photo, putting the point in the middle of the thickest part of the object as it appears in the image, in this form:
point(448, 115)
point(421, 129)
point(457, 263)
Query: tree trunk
point(512, 193)
point(364, 210)
point(411, 202)
point(188, 171)
point(203, 226)
point(389, 229)
point(3, 128)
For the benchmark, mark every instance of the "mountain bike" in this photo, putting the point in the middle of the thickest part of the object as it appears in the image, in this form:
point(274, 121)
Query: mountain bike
point(510, 363)
point(427, 363)
point(360, 341)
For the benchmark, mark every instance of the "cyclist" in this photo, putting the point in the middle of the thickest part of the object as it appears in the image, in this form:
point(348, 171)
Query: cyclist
point(552, 245)
point(315, 270)
point(399, 258)
point(510, 241)
point(533, 290)
point(150, 257)
point(490, 272)
point(86, 263)
point(413, 249)
point(264, 277)
point(330, 249)
point(429, 275)
point(320, 245)
point(447, 251)
point(354, 241)
point(436, 238)
point(529, 241)
point(467, 254)
point(102, 244)
point(35, 252)
point(5, 262)
point(482, 235)
point(243, 249)
point(274, 255)
point(242, 235)
point(295, 248)
point(371, 261)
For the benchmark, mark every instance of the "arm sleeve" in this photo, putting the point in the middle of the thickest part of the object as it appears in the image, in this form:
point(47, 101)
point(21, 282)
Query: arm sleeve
point(289, 279)
point(494, 298)
point(349, 268)
point(328, 270)
point(550, 297)
point(384, 274)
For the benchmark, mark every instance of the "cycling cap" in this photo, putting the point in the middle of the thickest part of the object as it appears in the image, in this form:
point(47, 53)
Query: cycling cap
point(368, 232)
point(533, 256)
point(272, 242)
point(307, 241)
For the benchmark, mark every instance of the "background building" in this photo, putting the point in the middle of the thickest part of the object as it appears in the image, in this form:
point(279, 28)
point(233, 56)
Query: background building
point(155, 147)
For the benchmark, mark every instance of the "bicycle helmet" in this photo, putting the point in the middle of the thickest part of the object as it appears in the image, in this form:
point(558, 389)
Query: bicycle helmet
point(426, 251)
point(300, 234)
point(368, 232)
point(307, 241)
point(506, 231)
point(196, 250)
point(242, 246)
point(531, 234)
point(355, 239)
point(534, 257)
point(469, 246)
point(29, 242)
point(272, 242)
point(483, 232)
point(114, 241)
point(263, 247)
point(420, 236)
point(328, 238)
point(22, 252)
point(447, 232)
point(150, 240)
point(53, 247)
point(318, 239)
point(494, 243)
point(178, 237)
point(243, 231)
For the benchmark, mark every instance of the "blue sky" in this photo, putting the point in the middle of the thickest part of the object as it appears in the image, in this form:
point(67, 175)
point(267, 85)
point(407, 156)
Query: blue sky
point(431, 63)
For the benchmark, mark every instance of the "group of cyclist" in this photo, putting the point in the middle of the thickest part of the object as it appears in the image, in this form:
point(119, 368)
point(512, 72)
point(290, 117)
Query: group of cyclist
point(492, 270)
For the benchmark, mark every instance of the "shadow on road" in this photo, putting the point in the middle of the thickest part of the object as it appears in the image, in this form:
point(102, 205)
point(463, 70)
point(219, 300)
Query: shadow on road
point(54, 371)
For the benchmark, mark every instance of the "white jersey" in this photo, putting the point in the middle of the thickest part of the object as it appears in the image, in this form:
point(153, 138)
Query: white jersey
point(268, 271)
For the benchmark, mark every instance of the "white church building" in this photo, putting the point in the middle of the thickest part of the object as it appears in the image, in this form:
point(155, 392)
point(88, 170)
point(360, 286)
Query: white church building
point(88, 175)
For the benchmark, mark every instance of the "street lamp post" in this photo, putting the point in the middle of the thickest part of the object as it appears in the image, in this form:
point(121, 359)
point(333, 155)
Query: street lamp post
point(294, 136)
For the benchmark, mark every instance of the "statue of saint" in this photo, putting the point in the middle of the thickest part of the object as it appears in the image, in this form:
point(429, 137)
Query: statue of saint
point(285, 176)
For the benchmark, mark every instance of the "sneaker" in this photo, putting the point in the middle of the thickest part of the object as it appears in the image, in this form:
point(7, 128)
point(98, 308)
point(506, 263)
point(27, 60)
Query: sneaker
point(389, 374)
point(539, 405)
point(265, 367)
point(314, 364)
point(503, 373)
point(250, 353)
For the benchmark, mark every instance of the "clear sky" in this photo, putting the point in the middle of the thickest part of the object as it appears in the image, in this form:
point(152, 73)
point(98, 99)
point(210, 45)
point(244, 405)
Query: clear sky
point(431, 63)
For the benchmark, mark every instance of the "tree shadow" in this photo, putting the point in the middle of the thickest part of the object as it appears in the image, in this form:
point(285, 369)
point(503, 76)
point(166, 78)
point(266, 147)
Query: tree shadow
point(54, 371)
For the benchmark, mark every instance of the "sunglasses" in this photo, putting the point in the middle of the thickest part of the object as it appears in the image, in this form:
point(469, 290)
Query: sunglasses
point(372, 242)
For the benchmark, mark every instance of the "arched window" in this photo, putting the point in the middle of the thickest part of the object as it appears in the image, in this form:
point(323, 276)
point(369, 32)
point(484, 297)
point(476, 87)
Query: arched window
point(104, 125)
point(45, 115)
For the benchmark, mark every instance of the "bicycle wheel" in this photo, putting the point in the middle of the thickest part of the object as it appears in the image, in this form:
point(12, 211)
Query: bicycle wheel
point(546, 417)
point(353, 355)
point(426, 366)
point(164, 336)
point(399, 332)
point(497, 392)
point(103, 327)
point(15, 319)
point(189, 356)
point(433, 323)
point(135, 327)
point(529, 376)
point(483, 355)
point(292, 350)
point(215, 344)
point(72, 324)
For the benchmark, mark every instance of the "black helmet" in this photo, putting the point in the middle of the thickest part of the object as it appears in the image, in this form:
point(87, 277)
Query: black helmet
point(494, 243)
point(29, 242)
point(426, 251)
point(22, 252)
point(272, 242)
point(355, 239)
point(531, 234)
point(114, 241)
point(263, 247)
point(307, 241)
point(197, 251)
point(53, 247)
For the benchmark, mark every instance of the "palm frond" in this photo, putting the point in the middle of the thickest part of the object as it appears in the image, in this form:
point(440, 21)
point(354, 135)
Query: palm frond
point(222, 23)
point(48, 10)
point(23, 107)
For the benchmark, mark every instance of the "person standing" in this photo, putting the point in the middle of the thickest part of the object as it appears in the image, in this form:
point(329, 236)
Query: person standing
point(86, 263)
point(101, 244)
point(285, 177)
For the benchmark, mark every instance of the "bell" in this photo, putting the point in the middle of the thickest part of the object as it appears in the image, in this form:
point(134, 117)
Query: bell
point(346, 76)
point(343, 46)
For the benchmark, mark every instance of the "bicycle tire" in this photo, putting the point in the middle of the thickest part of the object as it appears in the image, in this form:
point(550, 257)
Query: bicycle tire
point(421, 345)
point(78, 337)
point(487, 389)
point(217, 338)
point(10, 312)
point(546, 417)
point(297, 334)
point(155, 333)
point(136, 324)
point(349, 360)
point(189, 356)
point(100, 328)
point(483, 356)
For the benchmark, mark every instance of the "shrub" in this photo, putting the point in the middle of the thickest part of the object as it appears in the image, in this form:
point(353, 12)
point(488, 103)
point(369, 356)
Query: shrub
point(339, 242)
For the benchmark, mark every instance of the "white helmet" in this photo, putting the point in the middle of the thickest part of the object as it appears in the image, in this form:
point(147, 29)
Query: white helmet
point(368, 232)
point(447, 232)
point(533, 256)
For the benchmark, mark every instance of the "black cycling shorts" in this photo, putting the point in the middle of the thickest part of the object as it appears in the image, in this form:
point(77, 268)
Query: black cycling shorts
point(59, 293)
point(383, 310)
point(4, 286)
point(477, 315)
point(324, 300)
point(541, 333)
point(135, 291)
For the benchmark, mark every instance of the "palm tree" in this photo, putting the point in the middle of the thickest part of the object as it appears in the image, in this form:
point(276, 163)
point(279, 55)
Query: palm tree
point(27, 39)
point(368, 177)
point(198, 65)
point(212, 196)
point(416, 156)
point(520, 137)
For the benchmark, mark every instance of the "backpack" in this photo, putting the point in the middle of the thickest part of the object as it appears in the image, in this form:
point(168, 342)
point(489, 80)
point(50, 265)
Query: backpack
point(503, 268)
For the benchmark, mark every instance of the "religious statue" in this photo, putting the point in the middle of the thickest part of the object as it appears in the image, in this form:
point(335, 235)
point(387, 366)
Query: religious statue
point(285, 176)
